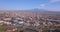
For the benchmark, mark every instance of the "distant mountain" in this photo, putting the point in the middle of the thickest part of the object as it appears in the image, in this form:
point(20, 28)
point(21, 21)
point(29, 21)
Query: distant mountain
point(33, 10)
point(39, 10)
point(43, 11)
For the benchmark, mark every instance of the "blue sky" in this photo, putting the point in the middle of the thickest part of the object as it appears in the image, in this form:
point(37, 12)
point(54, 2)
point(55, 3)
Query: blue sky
point(52, 5)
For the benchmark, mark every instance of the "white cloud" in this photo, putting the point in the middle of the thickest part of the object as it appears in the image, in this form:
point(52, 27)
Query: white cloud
point(54, 0)
point(42, 5)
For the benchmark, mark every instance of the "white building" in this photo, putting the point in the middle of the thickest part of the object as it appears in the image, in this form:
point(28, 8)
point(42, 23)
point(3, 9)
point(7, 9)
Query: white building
point(8, 23)
point(1, 22)
point(49, 24)
point(21, 22)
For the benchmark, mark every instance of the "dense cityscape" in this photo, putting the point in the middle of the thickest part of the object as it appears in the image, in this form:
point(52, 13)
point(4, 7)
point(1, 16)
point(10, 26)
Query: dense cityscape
point(28, 22)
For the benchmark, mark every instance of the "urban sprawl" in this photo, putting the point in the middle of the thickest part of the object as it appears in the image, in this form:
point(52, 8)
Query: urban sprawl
point(29, 23)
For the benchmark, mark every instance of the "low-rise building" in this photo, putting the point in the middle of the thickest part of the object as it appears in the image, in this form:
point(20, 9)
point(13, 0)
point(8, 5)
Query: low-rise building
point(8, 23)
point(11, 29)
point(1, 22)
point(7, 19)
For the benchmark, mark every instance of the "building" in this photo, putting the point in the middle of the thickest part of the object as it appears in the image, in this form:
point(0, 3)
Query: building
point(11, 29)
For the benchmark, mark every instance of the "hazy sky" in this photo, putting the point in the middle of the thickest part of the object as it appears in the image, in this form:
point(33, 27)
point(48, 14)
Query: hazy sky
point(53, 5)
